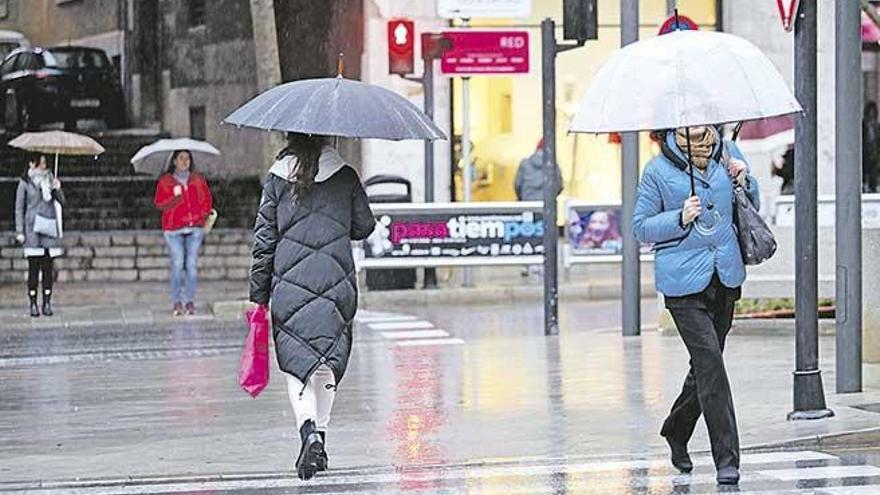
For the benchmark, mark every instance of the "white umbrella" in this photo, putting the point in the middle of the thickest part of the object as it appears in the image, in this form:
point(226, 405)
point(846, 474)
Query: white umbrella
point(154, 158)
point(681, 79)
point(57, 143)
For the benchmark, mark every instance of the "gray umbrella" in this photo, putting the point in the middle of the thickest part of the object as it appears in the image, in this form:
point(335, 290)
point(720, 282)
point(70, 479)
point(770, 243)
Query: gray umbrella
point(336, 107)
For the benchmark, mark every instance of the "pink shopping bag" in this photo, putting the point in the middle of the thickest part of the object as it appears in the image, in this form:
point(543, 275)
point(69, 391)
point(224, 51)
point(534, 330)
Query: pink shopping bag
point(253, 370)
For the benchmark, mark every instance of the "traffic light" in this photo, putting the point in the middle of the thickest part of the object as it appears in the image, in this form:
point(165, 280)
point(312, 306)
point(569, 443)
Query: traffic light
point(401, 46)
point(580, 20)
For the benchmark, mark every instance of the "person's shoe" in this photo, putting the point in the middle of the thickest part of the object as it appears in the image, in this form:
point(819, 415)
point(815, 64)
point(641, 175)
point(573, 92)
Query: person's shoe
point(177, 310)
point(310, 450)
point(47, 303)
point(322, 459)
point(35, 308)
point(728, 476)
point(190, 308)
point(679, 455)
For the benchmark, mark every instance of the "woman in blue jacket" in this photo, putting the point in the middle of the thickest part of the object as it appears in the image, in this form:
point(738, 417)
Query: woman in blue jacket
point(699, 269)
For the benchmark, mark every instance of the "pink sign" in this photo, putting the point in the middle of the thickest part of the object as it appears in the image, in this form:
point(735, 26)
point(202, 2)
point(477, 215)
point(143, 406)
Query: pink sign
point(485, 52)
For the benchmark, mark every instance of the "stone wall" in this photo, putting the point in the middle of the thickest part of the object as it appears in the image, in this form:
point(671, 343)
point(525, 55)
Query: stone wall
point(125, 256)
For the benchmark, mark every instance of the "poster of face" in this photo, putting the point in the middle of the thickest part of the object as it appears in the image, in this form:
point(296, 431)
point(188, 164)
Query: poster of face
point(596, 230)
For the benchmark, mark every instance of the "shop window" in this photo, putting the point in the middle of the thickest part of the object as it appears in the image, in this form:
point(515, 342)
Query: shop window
point(197, 13)
point(197, 122)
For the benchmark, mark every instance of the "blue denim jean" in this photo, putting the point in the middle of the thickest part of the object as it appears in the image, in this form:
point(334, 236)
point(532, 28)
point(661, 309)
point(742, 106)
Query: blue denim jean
point(183, 248)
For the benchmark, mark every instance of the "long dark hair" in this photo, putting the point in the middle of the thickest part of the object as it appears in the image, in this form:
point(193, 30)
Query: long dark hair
point(28, 158)
point(307, 150)
point(171, 167)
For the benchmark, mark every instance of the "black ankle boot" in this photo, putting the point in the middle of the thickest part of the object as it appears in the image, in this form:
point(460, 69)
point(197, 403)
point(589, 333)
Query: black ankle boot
point(35, 308)
point(310, 450)
point(679, 455)
point(47, 303)
point(322, 459)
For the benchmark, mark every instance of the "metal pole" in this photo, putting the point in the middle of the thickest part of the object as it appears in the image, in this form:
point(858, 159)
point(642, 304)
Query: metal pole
point(551, 185)
point(670, 7)
point(466, 169)
point(631, 317)
point(809, 396)
point(430, 281)
point(848, 196)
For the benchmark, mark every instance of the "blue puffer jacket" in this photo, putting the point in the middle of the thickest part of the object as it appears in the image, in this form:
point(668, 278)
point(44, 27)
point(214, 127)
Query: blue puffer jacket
point(686, 258)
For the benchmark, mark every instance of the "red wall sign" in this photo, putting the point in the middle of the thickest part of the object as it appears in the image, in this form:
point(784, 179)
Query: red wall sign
point(482, 52)
point(788, 15)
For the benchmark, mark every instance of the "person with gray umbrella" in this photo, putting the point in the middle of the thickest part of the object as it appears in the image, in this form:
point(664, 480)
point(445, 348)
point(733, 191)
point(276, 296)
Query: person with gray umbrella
point(313, 206)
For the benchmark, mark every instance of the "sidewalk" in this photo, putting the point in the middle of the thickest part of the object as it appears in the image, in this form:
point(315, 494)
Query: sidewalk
point(79, 304)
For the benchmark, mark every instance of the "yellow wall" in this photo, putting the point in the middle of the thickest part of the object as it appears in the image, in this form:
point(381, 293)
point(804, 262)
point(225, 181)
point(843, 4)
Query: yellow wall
point(506, 117)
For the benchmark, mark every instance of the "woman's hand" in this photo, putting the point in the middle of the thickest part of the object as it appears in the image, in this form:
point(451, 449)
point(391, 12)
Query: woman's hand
point(691, 210)
point(20, 238)
point(737, 169)
point(56, 184)
point(178, 190)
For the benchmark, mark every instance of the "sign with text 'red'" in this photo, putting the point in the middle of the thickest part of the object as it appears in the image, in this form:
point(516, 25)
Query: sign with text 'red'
point(467, 9)
point(485, 52)
point(455, 234)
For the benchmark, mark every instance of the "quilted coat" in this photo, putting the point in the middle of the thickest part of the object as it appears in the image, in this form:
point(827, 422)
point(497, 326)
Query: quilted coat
point(686, 258)
point(303, 265)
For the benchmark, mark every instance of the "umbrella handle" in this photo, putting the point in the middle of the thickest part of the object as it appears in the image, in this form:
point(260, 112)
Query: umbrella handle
point(736, 130)
point(687, 134)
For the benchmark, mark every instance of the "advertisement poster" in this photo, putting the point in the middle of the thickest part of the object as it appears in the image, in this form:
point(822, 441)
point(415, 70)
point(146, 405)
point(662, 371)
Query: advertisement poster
point(595, 231)
point(510, 233)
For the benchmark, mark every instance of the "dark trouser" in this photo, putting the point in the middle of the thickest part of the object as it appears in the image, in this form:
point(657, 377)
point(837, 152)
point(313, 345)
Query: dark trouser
point(703, 321)
point(43, 264)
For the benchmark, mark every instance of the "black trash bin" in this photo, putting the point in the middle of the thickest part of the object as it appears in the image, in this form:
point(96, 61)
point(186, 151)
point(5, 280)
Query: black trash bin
point(390, 278)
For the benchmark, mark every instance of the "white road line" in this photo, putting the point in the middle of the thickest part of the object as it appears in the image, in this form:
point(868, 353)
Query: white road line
point(384, 318)
point(415, 334)
point(430, 342)
point(401, 325)
point(817, 473)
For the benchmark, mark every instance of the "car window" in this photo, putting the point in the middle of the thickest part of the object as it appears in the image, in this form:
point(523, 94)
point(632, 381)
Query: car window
point(76, 59)
point(8, 64)
point(32, 62)
point(21, 62)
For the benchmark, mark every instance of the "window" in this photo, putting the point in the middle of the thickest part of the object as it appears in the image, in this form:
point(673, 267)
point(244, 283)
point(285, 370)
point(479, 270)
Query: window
point(196, 13)
point(7, 66)
point(197, 122)
point(4, 9)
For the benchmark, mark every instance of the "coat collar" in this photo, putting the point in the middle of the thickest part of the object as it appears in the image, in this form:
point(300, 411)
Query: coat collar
point(329, 163)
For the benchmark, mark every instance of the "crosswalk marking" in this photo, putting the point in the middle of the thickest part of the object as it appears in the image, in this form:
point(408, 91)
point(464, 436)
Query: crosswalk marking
point(513, 477)
point(415, 334)
point(430, 342)
point(383, 317)
point(816, 473)
point(400, 325)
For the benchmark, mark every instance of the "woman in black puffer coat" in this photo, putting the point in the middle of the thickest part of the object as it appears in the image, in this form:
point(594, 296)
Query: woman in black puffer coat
point(313, 206)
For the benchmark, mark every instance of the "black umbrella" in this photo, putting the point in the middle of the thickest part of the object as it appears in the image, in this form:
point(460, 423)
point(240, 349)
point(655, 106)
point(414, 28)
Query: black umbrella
point(336, 107)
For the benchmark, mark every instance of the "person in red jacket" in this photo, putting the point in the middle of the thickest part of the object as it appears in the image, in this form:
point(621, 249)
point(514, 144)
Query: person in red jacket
point(183, 196)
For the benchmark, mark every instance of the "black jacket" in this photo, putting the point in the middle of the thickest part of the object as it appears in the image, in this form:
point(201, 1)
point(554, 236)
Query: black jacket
point(302, 263)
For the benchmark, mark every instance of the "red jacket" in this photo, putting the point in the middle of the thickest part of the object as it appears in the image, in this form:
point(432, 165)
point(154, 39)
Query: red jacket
point(190, 209)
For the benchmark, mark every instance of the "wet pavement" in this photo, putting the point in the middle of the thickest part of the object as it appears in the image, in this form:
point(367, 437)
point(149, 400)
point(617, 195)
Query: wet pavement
point(459, 399)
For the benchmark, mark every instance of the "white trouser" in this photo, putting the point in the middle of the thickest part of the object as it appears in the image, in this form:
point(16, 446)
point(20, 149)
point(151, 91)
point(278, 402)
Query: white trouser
point(314, 400)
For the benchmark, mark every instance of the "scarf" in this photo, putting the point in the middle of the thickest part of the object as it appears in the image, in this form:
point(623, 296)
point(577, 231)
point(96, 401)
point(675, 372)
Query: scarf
point(43, 180)
point(701, 146)
point(182, 177)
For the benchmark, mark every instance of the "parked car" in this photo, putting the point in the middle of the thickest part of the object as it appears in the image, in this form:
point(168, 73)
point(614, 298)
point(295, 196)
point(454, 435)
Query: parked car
point(10, 40)
point(40, 86)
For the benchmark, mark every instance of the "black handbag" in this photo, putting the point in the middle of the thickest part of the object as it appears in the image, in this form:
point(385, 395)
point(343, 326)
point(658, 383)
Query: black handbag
point(756, 241)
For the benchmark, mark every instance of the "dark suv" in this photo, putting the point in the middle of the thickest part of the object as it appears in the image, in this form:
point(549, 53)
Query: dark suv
point(64, 84)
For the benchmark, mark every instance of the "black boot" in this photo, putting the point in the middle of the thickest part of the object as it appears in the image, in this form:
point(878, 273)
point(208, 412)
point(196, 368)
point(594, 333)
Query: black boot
point(310, 450)
point(728, 476)
point(47, 303)
point(322, 459)
point(679, 455)
point(35, 308)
